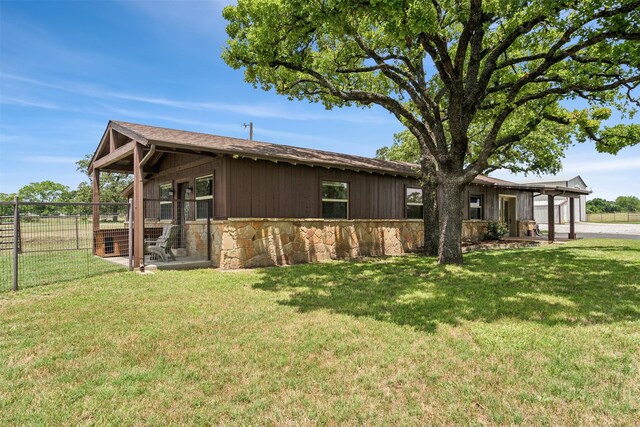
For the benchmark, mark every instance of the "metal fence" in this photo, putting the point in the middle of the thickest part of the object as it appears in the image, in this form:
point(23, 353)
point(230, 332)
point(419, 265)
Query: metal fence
point(614, 217)
point(43, 243)
point(184, 227)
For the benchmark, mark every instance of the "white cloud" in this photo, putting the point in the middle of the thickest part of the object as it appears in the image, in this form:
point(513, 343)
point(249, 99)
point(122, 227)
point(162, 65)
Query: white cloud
point(28, 103)
point(251, 110)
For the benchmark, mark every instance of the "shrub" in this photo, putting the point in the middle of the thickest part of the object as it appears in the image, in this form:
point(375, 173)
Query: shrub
point(496, 231)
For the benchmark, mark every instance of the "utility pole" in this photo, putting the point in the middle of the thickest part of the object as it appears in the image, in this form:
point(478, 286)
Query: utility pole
point(250, 126)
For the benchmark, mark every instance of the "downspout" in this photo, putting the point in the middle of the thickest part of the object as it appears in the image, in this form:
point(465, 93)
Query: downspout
point(144, 160)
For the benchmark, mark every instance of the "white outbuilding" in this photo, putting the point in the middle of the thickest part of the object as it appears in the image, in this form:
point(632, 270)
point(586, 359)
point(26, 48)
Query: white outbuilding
point(561, 204)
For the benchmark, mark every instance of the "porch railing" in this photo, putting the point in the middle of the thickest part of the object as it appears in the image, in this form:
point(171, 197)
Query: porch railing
point(186, 222)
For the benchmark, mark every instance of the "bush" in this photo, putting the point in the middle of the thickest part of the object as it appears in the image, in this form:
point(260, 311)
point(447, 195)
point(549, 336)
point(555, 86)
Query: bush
point(496, 231)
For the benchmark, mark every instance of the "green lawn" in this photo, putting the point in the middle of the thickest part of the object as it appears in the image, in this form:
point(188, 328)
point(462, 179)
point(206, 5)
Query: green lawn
point(44, 268)
point(544, 336)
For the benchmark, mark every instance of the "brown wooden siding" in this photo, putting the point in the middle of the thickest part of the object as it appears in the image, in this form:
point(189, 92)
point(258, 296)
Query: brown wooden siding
point(262, 189)
point(491, 205)
point(245, 188)
point(178, 168)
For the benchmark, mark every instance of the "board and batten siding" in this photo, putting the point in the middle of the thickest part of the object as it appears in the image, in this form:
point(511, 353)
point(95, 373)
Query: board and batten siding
point(491, 197)
point(264, 189)
point(246, 188)
point(185, 168)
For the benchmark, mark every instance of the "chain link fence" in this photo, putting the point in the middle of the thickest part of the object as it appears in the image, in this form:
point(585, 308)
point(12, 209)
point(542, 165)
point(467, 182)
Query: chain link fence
point(44, 243)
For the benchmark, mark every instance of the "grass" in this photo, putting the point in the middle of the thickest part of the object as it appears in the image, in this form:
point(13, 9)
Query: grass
point(44, 268)
point(544, 336)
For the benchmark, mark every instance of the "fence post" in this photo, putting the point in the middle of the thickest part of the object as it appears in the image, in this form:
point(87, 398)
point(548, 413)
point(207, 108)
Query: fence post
point(16, 237)
point(130, 208)
point(77, 234)
point(209, 231)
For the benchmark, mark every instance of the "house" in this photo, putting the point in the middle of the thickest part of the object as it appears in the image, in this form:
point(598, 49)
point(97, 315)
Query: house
point(561, 206)
point(242, 203)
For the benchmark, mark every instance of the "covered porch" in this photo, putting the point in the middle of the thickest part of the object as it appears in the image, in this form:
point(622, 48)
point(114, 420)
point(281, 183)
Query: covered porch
point(124, 151)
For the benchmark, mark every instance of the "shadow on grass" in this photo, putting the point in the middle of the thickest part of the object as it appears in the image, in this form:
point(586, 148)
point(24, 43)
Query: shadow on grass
point(559, 285)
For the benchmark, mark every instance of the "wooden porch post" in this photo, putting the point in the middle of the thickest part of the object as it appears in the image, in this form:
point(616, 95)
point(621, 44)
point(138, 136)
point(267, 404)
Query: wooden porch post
point(572, 218)
point(551, 209)
point(138, 209)
point(95, 178)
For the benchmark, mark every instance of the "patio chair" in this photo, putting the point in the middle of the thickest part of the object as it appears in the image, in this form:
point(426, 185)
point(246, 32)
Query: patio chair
point(536, 230)
point(161, 247)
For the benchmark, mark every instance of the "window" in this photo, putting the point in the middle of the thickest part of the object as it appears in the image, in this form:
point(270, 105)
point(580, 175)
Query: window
point(475, 206)
point(335, 199)
point(204, 197)
point(414, 203)
point(166, 205)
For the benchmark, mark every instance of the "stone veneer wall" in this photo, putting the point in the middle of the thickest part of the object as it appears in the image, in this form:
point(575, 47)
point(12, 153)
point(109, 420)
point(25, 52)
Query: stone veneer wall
point(245, 243)
point(473, 230)
point(525, 226)
point(266, 242)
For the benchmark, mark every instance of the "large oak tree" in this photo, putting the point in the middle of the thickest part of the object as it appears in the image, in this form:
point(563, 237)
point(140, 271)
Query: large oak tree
point(479, 84)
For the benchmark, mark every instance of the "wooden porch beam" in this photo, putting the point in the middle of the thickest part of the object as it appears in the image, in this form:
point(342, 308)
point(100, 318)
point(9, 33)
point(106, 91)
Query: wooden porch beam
point(95, 183)
point(551, 217)
point(138, 208)
point(119, 154)
point(112, 141)
point(572, 218)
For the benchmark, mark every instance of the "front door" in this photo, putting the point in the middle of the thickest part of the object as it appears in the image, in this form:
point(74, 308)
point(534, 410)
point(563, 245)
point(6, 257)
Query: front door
point(508, 214)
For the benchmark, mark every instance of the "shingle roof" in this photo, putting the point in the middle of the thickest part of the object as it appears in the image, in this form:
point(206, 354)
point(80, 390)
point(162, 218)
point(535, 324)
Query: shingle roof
point(270, 151)
point(265, 150)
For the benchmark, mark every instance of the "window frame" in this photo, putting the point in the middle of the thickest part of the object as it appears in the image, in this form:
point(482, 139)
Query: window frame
point(168, 201)
point(323, 200)
point(407, 204)
point(480, 206)
point(200, 198)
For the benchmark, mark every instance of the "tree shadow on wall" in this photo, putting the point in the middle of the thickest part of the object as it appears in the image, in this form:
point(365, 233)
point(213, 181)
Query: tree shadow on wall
point(559, 285)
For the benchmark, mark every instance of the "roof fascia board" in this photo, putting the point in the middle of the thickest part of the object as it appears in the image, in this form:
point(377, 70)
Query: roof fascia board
point(122, 152)
point(100, 146)
point(128, 132)
point(234, 154)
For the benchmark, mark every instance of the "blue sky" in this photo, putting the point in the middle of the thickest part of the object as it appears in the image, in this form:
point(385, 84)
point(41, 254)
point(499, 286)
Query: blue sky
point(67, 67)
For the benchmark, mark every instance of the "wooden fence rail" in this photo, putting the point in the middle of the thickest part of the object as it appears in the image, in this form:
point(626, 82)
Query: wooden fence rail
point(614, 217)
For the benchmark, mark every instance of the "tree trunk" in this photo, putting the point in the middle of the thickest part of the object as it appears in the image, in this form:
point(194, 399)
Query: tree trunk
point(430, 215)
point(450, 208)
point(429, 202)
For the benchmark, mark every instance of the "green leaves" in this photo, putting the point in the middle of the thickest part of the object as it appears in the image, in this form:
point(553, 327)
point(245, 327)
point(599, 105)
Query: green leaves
point(479, 84)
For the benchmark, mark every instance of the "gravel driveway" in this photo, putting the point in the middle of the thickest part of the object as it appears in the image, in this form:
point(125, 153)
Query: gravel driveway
point(600, 230)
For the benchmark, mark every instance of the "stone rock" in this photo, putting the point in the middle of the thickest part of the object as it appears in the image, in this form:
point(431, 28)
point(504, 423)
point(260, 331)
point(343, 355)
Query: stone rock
point(246, 232)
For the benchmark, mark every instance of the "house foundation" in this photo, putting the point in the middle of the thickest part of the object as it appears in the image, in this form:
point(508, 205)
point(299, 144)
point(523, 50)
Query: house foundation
point(247, 243)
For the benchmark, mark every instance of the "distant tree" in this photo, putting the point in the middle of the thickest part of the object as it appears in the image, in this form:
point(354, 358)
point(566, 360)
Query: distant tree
point(43, 192)
point(6, 210)
point(111, 184)
point(599, 205)
point(7, 197)
point(405, 148)
point(628, 203)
